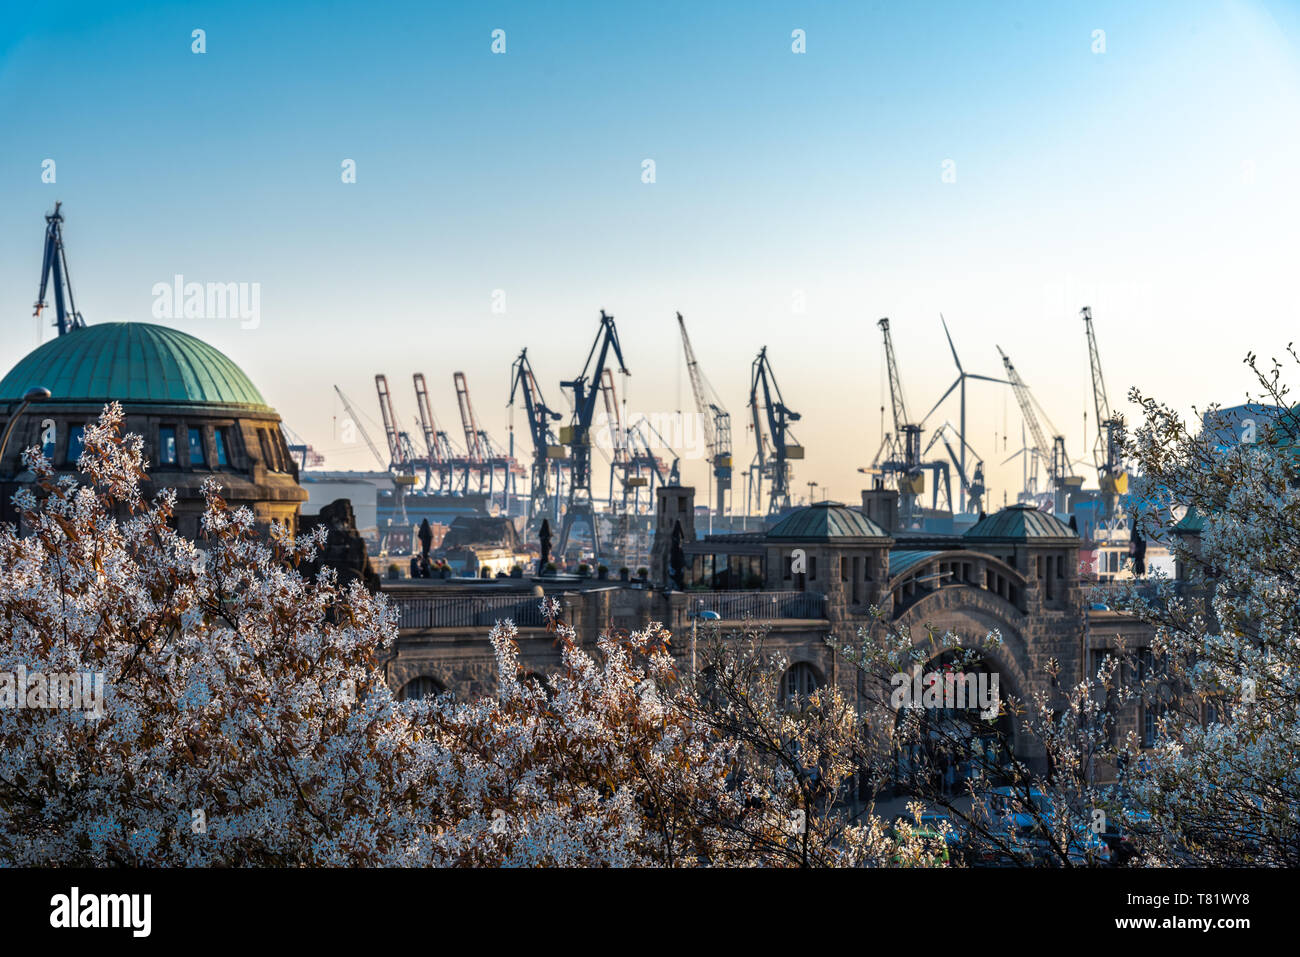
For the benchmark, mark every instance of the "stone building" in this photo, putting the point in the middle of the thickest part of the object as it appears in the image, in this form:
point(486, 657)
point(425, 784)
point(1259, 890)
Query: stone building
point(197, 411)
point(814, 575)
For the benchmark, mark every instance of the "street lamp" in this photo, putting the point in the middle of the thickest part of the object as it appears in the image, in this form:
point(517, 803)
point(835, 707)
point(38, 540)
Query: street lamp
point(37, 394)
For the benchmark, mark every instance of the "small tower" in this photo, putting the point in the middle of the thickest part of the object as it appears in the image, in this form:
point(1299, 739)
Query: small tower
point(674, 504)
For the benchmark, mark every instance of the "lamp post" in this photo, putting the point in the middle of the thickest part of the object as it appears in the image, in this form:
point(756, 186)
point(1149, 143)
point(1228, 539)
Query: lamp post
point(37, 394)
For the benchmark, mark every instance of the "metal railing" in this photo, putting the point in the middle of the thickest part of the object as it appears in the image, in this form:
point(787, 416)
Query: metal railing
point(467, 612)
point(759, 605)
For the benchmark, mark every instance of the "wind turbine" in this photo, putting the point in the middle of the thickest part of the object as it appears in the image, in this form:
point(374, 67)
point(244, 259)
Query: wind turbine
point(960, 381)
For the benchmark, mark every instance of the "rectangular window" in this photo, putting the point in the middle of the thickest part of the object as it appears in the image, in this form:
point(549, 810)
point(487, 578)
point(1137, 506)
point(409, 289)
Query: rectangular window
point(812, 568)
point(197, 454)
point(75, 443)
point(787, 566)
point(219, 437)
point(267, 459)
point(167, 445)
point(47, 442)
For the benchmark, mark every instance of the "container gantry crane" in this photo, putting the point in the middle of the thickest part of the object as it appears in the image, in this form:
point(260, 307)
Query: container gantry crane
point(482, 457)
point(401, 454)
point(546, 447)
point(715, 419)
point(1112, 478)
point(774, 467)
point(577, 434)
point(55, 268)
point(439, 452)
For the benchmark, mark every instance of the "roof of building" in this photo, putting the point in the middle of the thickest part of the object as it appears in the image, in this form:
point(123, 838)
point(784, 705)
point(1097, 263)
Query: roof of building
point(903, 559)
point(132, 362)
point(1193, 523)
point(1020, 521)
point(481, 530)
point(824, 521)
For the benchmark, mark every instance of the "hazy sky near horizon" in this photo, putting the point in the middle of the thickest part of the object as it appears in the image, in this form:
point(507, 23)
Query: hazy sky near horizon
point(1157, 182)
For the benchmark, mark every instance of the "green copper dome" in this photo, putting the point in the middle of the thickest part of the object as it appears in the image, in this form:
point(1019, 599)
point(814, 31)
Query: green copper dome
point(825, 521)
point(132, 362)
point(1021, 521)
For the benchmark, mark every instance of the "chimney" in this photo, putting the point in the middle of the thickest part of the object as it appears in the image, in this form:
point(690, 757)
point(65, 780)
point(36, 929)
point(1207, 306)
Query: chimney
point(881, 506)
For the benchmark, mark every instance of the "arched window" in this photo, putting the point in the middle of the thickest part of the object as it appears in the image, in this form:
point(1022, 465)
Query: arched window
point(421, 687)
point(799, 681)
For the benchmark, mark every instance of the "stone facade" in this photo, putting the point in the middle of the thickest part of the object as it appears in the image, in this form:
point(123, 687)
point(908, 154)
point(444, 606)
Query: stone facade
point(1027, 589)
point(259, 472)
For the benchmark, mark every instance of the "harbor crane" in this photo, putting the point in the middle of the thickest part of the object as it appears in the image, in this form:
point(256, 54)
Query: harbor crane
point(482, 457)
point(55, 268)
point(900, 453)
point(584, 389)
point(715, 420)
point(546, 447)
point(401, 454)
point(401, 478)
point(1053, 455)
point(771, 465)
point(356, 421)
point(439, 453)
point(1112, 478)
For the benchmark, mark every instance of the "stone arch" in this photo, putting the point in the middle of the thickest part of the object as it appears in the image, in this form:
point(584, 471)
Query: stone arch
point(973, 613)
point(799, 680)
point(421, 686)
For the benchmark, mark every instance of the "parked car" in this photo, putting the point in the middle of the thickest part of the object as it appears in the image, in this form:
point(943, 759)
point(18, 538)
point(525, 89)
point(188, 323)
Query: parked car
point(1028, 825)
point(930, 827)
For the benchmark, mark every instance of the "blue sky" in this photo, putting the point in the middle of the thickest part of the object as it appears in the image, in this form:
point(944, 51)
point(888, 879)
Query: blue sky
point(1155, 182)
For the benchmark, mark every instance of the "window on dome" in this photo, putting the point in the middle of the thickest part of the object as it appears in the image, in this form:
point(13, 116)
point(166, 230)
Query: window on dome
point(167, 445)
point(198, 455)
point(219, 438)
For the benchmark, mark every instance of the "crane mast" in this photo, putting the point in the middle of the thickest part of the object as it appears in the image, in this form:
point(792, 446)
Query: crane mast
point(540, 416)
point(55, 268)
point(1111, 477)
point(779, 416)
point(715, 420)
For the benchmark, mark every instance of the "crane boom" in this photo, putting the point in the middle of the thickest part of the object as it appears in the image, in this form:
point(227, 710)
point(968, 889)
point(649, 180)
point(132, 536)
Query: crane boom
point(714, 418)
point(398, 450)
point(356, 420)
point(473, 439)
point(895, 381)
point(1026, 403)
point(428, 424)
